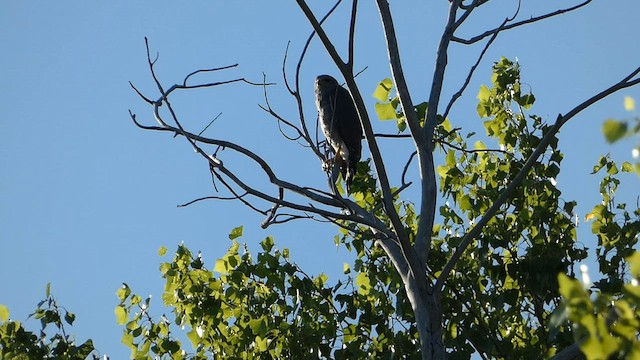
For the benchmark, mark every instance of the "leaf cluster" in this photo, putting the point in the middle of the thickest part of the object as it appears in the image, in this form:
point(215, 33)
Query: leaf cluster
point(266, 307)
point(16, 342)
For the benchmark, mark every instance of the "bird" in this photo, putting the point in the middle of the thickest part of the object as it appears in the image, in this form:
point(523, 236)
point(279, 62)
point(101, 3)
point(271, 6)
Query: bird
point(340, 125)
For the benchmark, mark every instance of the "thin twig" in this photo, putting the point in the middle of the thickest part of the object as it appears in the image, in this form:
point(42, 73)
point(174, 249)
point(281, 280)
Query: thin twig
point(518, 24)
point(207, 70)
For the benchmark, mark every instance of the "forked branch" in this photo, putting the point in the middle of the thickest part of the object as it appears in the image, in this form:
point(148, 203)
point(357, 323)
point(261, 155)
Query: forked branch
point(320, 203)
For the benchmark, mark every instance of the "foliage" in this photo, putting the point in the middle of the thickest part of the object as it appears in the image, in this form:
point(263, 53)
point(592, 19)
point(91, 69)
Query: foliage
point(264, 307)
point(508, 280)
point(18, 343)
point(607, 316)
point(503, 300)
point(615, 130)
point(513, 294)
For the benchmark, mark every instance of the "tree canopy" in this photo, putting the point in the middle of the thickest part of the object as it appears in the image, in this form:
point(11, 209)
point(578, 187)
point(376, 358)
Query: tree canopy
point(482, 263)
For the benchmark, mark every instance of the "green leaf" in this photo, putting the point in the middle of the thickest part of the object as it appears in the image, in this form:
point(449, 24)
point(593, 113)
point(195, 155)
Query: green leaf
point(235, 233)
point(465, 203)
point(446, 125)
point(4, 313)
point(363, 283)
point(385, 111)
point(258, 326)
point(383, 89)
point(346, 268)
point(222, 266)
point(69, 317)
point(121, 315)
point(479, 145)
point(629, 103)
point(267, 244)
point(162, 251)
point(442, 171)
point(48, 290)
point(193, 337)
point(402, 125)
point(127, 339)
point(123, 292)
point(627, 167)
point(484, 94)
point(526, 101)
point(569, 288)
point(614, 130)
point(634, 262)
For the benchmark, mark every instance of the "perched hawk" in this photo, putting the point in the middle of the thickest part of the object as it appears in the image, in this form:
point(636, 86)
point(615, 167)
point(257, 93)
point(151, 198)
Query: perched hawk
point(340, 125)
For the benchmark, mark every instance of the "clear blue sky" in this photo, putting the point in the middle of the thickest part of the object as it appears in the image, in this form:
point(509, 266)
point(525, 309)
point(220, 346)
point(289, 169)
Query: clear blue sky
point(86, 198)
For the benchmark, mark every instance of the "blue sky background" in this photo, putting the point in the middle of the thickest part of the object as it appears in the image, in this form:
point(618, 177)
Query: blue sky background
point(86, 198)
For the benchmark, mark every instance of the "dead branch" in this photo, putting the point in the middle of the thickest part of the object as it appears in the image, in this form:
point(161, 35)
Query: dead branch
point(518, 24)
point(347, 73)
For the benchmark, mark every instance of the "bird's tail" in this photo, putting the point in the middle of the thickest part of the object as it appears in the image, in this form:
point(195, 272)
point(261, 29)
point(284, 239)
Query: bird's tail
point(348, 179)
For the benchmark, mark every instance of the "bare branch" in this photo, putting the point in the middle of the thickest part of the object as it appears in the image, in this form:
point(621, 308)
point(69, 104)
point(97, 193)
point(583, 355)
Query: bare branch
point(212, 168)
point(207, 70)
point(429, 190)
point(211, 198)
point(472, 70)
point(281, 120)
point(347, 73)
point(140, 94)
point(406, 166)
point(211, 122)
point(355, 214)
point(296, 93)
point(518, 24)
point(352, 30)
point(517, 180)
point(392, 136)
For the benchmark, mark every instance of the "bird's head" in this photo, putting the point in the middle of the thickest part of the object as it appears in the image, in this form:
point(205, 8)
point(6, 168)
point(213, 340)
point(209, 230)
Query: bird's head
point(326, 81)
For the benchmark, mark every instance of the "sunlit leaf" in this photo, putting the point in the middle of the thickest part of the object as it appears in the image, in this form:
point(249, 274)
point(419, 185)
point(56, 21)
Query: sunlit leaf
point(634, 262)
point(614, 130)
point(629, 103)
point(4, 313)
point(221, 266)
point(383, 89)
point(235, 233)
point(121, 315)
point(363, 282)
point(479, 145)
point(346, 268)
point(385, 111)
point(484, 93)
point(69, 317)
point(162, 251)
point(193, 337)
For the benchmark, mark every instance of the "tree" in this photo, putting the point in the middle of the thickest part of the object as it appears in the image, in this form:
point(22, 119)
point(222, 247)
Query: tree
point(483, 278)
point(471, 267)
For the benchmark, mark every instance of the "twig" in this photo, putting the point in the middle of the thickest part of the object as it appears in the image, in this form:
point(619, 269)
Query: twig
point(207, 70)
point(519, 23)
point(206, 127)
point(472, 70)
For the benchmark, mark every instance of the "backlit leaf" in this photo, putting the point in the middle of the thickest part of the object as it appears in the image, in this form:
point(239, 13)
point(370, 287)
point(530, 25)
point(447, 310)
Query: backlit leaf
point(385, 111)
point(382, 90)
point(235, 233)
point(614, 130)
point(629, 103)
point(121, 315)
point(4, 313)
